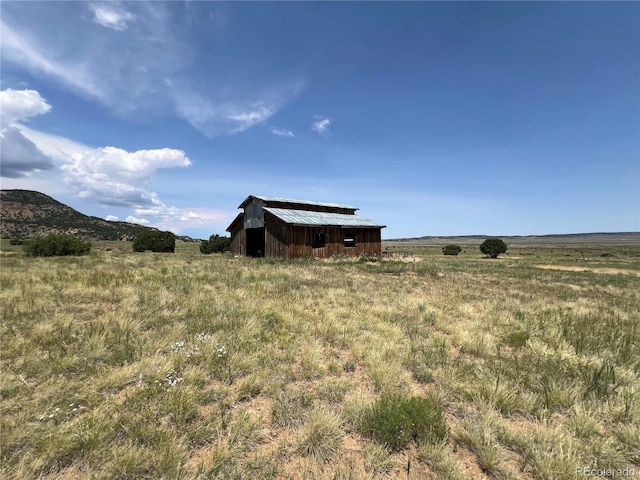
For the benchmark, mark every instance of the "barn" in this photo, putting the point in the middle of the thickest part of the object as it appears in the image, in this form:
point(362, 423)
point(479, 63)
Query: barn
point(285, 228)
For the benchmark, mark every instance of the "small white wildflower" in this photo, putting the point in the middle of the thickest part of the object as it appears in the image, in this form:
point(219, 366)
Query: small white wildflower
point(172, 381)
point(202, 337)
point(190, 353)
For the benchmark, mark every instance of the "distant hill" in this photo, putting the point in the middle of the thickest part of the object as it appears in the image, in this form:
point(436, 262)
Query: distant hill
point(620, 238)
point(26, 214)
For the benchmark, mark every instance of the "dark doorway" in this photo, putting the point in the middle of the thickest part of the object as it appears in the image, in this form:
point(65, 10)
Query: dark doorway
point(255, 242)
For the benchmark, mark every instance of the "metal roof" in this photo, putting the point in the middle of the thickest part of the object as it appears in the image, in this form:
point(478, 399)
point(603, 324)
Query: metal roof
point(303, 217)
point(290, 200)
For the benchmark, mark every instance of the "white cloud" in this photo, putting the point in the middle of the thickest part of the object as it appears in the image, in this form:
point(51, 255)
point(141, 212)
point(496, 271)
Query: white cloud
point(113, 176)
point(111, 218)
point(132, 219)
point(213, 219)
point(158, 209)
point(111, 16)
point(321, 124)
point(107, 175)
point(283, 133)
point(19, 156)
point(20, 105)
point(250, 117)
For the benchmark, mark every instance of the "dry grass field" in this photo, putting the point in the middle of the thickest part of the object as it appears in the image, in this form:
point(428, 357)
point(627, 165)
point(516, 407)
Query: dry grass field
point(186, 366)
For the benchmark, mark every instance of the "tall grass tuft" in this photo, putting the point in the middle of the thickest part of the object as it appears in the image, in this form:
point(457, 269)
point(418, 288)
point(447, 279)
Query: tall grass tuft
point(321, 435)
point(290, 407)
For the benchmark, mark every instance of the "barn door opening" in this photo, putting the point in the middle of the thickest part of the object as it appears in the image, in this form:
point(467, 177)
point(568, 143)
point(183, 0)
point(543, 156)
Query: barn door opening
point(255, 242)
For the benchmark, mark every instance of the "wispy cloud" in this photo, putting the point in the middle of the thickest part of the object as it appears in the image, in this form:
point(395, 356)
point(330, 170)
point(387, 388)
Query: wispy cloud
point(111, 16)
point(149, 69)
point(217, 115)
point(26, 49)
point(54, 146)
point(283, 133)
point(321, 124)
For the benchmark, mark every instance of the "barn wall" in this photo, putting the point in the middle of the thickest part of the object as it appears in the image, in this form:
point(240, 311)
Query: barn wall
point(238, 236)
point(254, 214)
point(276, 237)
point(301, 242)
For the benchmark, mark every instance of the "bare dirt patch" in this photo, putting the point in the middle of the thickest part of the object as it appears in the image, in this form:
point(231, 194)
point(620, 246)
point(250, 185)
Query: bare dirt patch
point(601, 270)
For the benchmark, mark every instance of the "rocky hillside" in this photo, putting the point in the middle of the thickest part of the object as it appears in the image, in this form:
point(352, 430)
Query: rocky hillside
point(25, 214)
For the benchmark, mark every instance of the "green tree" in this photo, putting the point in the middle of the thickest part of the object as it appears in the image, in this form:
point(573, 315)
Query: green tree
point(56, 244)
point(451, 249)
point(492, 247)
point(215, 244)
point(156, 241)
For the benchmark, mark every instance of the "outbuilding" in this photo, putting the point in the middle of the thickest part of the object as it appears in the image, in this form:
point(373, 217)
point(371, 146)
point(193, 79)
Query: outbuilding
point(285, 228)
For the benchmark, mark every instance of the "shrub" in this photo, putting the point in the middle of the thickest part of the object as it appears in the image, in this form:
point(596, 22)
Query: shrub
point(517, 338)
point(452, 249)
point(16, 241)
point(215, 244)
point(56, 244)
point(365, 257)
point(492, 247)
point(156, 241)
point(396, 421)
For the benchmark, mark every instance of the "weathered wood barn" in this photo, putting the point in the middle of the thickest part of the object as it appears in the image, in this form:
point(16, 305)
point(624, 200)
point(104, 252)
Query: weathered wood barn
point(284, 228)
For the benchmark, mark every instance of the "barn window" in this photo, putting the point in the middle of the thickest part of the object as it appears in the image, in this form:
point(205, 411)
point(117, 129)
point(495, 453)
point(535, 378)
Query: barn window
point(319, 240)
point(349, 240)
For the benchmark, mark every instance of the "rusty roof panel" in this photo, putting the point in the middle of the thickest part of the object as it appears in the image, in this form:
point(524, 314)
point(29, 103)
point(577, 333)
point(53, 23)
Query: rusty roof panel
point(290, 200)
point(303, 217)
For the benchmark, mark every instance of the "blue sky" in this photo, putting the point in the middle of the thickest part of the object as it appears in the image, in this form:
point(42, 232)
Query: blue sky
point(434, 118)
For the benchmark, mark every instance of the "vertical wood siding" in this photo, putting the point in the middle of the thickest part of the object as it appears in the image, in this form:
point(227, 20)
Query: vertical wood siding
point(238, 236)
point(276, 237)
point(290, 241)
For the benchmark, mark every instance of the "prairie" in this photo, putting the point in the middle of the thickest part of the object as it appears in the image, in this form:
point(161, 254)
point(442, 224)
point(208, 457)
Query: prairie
point(185, 366)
